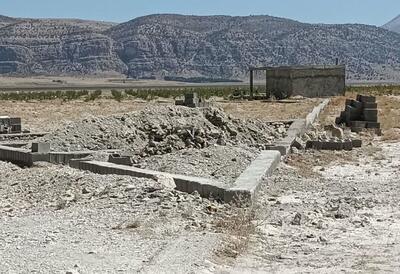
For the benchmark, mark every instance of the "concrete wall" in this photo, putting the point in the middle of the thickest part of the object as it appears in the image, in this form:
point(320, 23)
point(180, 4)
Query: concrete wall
point(306, 81)
point(18, 156)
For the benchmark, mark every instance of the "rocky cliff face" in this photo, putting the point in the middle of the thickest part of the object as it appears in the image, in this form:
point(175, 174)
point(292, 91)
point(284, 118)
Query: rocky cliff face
point(193, 46)
point(57, 47)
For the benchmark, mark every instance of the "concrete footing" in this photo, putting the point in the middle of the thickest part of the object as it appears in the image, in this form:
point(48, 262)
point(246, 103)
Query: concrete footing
point(298, 128)
point(245, 187)
point(18, 156)
point(205, 187)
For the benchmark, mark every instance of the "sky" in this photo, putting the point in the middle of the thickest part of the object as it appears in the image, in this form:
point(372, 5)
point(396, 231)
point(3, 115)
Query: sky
point(373, 12)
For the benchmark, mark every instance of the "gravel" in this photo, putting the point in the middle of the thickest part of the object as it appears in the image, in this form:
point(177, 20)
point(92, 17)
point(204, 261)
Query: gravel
point(221, 163)
point(58, 219)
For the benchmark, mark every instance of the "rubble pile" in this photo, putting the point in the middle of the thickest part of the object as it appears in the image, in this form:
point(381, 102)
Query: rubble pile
point(163, 129)
point(330, 137)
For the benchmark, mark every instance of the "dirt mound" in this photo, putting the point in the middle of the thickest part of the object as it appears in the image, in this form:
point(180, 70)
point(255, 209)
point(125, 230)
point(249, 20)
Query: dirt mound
point(163, 129)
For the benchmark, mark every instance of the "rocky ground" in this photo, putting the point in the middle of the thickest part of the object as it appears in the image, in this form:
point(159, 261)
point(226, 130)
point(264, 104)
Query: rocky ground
point(221, 163)
point(321, 211)
point(328, 212)
point(57, 219)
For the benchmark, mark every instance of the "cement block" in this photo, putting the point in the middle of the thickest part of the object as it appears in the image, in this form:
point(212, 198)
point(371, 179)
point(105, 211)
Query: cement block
point(338, 120)
point(373, 125)
point(318, 145)
point(370, 105)
point(357, 143)
point(370, 115)
point(352, 114)
point(15, 121)
point(358, 124)
point(366, 99)
point(179, 102)
point(120, 160)
point(298, 143)
point(356, 104)
point(40, 157)
point(41, 147)
point(347, 145)
point(331, 145)
point(357, 129)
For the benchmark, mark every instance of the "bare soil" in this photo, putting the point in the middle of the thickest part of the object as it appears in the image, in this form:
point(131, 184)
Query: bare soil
point(323, 212)
point(271, 111)
point(48, 115)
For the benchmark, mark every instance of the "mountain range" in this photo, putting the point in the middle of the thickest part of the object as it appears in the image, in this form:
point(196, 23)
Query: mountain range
point(213, 47)
point(393, 25)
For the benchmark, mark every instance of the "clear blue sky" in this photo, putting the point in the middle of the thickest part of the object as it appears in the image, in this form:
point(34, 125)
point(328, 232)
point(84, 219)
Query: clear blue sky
point(374, 12)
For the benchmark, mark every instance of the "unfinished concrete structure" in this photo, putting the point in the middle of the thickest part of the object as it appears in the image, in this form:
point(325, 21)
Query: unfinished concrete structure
point(192, 100)
point(307, 81)
point(10, 125)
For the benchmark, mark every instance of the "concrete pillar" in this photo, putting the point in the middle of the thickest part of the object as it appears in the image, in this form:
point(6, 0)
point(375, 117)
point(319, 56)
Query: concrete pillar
point(267, 92)
point(251, 84)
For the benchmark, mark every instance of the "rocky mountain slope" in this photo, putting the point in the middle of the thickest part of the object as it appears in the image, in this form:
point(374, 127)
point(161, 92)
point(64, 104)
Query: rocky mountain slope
point(393, 25)
point(192, 46)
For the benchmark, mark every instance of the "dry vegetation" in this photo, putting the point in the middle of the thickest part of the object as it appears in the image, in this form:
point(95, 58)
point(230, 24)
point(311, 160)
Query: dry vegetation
point(238, 226)
point(270, 111)
point(50, 114)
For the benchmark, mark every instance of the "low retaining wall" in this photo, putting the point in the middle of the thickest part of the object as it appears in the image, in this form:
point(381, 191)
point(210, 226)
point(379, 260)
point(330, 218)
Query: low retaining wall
point(205, 187)
point(246, 186)
point(65, 157)
point(18, 156)
point(298, 128)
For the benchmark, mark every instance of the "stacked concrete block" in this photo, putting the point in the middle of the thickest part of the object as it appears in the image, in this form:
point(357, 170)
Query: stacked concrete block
point(192, 100)
point(10, 125)
point(40, 152)
point(334, 144)
point(360, 114)
point(41, 148)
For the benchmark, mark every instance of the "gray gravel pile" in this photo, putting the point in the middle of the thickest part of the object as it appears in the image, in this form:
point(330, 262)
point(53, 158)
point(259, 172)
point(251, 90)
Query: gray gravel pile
point(221, 163)
point(49, 187)
point(163, 129)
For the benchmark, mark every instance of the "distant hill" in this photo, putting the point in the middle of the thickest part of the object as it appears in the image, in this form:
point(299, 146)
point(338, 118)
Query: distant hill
point(192, 46)
point(393, 25)
point(4, 21)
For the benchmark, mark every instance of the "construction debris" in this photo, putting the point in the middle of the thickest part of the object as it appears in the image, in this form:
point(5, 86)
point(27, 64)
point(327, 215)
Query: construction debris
point(192, 100)
point(330, 137)
point(360, 114)
point(163, 129)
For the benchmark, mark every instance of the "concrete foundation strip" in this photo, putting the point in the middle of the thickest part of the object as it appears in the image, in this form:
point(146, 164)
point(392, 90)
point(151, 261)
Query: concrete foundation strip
point(246, 186)
point(205, 187)
point(243, 191)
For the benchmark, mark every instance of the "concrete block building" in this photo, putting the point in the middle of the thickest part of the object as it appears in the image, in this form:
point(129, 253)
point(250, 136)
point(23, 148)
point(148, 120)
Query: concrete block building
point(307, 81)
